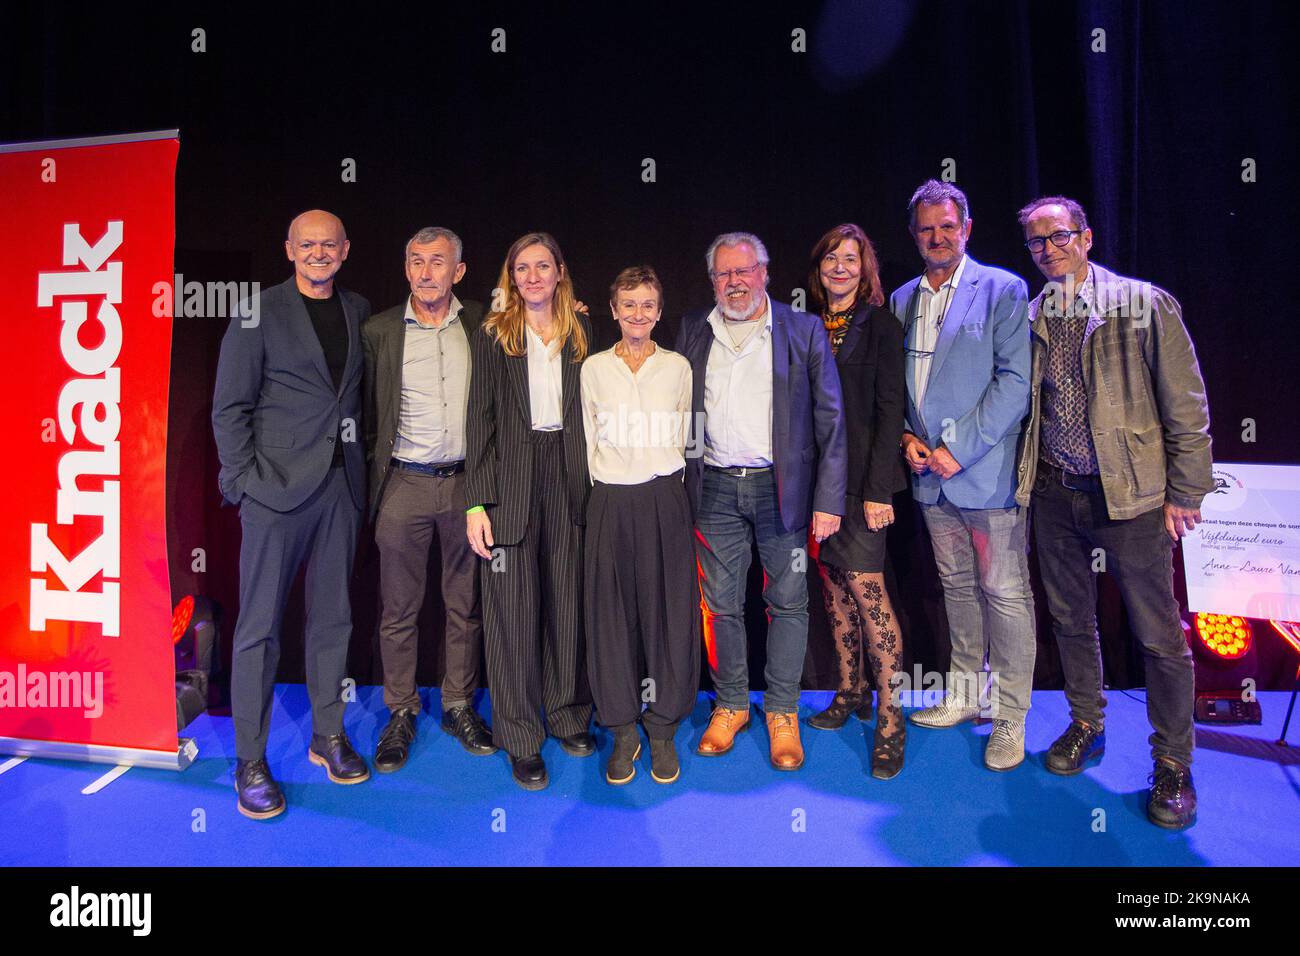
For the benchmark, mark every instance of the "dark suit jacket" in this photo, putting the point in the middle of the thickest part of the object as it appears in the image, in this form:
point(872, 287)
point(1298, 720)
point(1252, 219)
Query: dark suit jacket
point(870, 363)
point(383, 341)
point(808, 435)
point(499, 437)
point(275, 410)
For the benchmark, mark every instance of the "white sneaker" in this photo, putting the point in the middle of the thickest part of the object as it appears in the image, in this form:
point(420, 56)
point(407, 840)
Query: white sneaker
point(949, 712)
point(1006, 747)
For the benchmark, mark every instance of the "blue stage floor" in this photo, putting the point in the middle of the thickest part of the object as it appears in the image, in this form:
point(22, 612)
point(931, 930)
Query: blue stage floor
point(447, 807)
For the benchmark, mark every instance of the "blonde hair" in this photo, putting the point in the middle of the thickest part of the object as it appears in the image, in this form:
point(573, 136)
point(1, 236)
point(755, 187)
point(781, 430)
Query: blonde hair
point(507, 326)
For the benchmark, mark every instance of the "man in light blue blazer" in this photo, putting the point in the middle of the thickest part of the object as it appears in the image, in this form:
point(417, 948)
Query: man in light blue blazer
point(966, 334)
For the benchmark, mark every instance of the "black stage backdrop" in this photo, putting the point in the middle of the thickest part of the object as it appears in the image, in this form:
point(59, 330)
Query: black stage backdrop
point(1150, 123)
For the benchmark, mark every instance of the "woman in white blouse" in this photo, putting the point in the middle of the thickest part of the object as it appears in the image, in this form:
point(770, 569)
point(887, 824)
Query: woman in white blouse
point(642, 598)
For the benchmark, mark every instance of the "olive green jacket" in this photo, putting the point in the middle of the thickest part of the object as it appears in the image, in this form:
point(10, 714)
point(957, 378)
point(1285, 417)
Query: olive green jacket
point(1146, 400)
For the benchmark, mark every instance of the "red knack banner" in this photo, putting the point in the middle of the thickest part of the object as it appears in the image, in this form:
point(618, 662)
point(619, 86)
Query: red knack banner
point(85, 610)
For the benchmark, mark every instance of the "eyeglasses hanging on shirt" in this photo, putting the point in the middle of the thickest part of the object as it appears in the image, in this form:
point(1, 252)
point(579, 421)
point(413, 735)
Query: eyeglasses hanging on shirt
point(909, 334)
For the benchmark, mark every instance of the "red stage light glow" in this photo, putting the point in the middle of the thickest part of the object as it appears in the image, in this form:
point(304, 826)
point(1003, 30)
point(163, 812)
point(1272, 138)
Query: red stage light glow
point(1226, 636)
point(181, 618)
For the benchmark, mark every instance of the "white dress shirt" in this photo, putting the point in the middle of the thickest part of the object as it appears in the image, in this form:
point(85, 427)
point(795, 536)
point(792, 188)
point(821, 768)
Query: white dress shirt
point(545, 382)
point(435, 390)
point(635, 422)
point(738, 396)
point(931, 309)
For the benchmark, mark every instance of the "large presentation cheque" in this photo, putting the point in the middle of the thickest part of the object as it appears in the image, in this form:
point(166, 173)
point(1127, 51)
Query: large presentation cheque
point(1244, 557)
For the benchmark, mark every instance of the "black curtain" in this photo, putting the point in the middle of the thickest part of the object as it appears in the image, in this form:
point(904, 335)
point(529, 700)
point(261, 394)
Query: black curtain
point(1147, 123)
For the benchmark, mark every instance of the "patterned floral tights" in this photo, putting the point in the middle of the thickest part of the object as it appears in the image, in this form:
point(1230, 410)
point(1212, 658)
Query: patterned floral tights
point(858, 607)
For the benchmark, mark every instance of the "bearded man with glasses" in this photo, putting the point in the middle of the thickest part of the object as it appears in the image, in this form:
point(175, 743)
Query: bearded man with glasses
point(766, 397)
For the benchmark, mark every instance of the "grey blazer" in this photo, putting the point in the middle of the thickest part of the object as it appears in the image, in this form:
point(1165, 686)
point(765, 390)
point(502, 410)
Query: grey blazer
point(383, 340)
point(275, 411)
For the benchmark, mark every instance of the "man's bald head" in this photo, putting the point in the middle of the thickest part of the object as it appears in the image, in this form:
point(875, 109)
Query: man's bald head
point(316, 219)
point(317, 246)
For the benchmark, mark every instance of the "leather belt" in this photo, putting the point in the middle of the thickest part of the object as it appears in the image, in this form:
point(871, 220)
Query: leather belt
point(741, 471)
point(1089, 483)
point(445, 470)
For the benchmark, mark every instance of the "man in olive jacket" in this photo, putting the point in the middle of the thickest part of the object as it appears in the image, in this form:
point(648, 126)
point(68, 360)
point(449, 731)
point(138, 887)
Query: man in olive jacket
point(417, 375)
point(1116, 459)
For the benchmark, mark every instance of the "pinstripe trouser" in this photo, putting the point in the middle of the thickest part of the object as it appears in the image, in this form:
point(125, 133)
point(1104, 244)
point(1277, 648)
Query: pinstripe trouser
point(537, 582)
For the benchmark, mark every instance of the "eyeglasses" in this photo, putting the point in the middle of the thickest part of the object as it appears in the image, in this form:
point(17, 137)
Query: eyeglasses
point(1061, 238)
point(726, 275)
point(909, 333)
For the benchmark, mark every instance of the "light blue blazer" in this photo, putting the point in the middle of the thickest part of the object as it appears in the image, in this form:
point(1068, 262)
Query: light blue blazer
point(977, 395)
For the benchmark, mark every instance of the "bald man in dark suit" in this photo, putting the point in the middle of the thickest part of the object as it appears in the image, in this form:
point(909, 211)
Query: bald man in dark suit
point(286, 416)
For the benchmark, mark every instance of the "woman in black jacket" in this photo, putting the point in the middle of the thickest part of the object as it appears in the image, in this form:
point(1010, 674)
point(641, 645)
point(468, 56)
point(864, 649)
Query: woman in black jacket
point(844, 286)
point(526, 487)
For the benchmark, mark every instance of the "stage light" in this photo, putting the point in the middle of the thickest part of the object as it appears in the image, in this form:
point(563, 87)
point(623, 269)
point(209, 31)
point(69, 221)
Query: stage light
point(181, 616)
point(1226, 636)
point(195, 637)
point(1227, 663)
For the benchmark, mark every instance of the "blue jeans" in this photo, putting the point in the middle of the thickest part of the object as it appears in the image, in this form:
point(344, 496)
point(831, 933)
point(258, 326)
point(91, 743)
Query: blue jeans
point(984, 568)
point(733, 512)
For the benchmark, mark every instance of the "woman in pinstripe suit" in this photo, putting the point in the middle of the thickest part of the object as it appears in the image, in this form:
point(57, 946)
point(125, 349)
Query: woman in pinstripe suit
point(526, 483)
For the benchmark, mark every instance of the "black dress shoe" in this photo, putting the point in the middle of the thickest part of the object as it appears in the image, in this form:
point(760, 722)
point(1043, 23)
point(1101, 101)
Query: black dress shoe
point(1172, 802)
point(1080, 743)
point(341, 762)
point(579, 745)
point(468, 727)
point(843, 706)
point(395, 742)
point(259, 795)
point(529, 772)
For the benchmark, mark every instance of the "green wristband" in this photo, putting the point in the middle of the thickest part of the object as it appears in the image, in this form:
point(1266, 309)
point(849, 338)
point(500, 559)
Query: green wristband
point(475, 510)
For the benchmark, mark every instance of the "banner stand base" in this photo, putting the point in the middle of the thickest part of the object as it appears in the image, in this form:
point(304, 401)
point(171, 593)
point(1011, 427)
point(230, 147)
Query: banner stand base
point(186, 751)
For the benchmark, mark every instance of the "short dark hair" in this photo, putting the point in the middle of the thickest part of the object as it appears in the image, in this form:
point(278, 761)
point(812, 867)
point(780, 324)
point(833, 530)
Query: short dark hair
point(633, 276)
point(934, 193)
point(1079, 217)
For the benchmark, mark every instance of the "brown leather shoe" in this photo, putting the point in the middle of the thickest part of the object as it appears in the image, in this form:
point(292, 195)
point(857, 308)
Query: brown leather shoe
point(721, 733)
point(783, 732)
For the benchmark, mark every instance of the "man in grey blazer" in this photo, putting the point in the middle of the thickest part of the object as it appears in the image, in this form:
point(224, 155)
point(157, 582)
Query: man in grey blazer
point(768, 419)
point(966, 336)
point(417, 372)
point(286, 417)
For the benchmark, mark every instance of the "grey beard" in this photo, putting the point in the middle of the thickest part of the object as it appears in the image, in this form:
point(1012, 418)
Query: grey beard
point(738, 315)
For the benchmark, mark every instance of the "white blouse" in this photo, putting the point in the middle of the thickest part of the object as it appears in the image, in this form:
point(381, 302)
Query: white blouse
point(545, 382)
point(636, 424)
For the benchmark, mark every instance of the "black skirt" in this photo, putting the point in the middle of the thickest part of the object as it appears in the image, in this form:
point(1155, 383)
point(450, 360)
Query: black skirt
point(855, 547)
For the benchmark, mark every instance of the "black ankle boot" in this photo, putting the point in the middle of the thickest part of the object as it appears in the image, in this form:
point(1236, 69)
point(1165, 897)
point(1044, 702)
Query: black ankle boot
point(837, 714)
point(664, 767)
point(622, 760)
